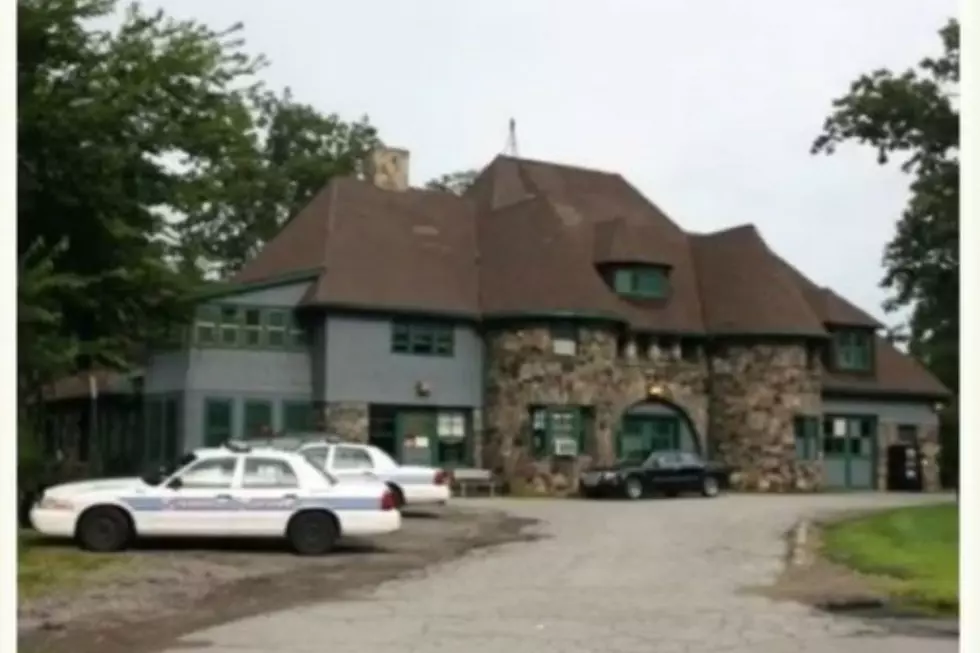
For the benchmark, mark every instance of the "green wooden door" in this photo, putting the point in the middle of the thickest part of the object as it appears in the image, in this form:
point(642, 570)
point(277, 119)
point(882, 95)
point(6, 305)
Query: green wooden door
point(417, 437)
point(664, 433)
point(641, 435)
point(849, 447)
point(217, 421)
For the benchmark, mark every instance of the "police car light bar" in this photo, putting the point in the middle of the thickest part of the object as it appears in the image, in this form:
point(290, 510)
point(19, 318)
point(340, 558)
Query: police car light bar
point(237, 446)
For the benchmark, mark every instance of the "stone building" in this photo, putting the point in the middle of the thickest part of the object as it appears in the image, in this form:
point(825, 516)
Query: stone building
point(550, 316)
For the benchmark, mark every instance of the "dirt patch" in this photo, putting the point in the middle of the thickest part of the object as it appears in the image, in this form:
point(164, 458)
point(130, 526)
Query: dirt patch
point(811, 579)
point(164, 594)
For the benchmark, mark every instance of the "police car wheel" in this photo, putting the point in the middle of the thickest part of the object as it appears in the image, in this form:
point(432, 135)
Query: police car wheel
point(103, 529)
point(398, 495)
point(312, 533)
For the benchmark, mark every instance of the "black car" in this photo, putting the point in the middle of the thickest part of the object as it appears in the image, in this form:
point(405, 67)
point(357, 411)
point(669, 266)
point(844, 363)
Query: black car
point(663, 472)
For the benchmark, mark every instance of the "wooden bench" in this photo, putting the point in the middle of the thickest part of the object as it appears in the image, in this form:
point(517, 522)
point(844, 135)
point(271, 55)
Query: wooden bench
point(479, 481)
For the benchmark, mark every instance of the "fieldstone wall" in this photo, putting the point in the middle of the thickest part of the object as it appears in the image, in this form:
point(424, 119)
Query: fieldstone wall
point(756, 392)
point(346, 419)
point(929, 441)
point(523, 371)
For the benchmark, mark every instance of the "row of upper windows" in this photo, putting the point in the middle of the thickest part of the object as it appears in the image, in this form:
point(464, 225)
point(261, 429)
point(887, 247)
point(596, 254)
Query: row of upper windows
point(246, 327)
point(276, 328)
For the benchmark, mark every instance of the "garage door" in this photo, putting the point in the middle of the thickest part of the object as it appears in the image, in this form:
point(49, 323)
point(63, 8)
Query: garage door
point(849, 452)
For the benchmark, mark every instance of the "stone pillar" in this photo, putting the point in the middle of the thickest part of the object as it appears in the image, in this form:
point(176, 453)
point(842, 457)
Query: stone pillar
point(476, 438)
point(347, 420)
point(887, 435)
point(929, 444)
point(756, 392)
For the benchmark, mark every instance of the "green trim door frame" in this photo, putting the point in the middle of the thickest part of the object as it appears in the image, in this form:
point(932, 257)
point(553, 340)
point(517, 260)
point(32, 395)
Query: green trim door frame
point(641, 435)
point(445, 431)
point(850, 452)
point(640, 431)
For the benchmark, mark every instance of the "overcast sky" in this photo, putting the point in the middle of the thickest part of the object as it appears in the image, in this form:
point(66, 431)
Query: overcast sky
point(708, 107)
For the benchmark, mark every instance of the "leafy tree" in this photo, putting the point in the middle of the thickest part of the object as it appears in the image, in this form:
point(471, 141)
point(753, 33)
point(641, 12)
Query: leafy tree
point(45, 350)
point(914, 116)
point(99, 115)
point(453, 182)
point(289, 152)
point(147, 153)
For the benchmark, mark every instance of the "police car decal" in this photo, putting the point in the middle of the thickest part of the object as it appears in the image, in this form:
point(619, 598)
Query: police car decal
point(205, 504)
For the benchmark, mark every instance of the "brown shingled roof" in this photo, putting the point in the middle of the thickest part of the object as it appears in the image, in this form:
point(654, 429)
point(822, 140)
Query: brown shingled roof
point(744, 290)
point(636, 241)
point(413, 249)
point(828, 305)
point(527, 237)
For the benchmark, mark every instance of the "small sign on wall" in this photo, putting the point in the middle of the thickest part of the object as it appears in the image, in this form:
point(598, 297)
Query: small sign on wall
point(840, 427)
point(417, 442)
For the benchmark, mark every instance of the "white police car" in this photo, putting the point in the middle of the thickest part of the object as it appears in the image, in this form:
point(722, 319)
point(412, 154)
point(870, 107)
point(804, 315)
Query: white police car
point(230, 491)
point(411, 485)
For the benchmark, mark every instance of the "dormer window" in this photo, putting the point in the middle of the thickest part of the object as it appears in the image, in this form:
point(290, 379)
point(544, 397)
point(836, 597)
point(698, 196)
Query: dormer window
point(853, 350)
point(640, 282)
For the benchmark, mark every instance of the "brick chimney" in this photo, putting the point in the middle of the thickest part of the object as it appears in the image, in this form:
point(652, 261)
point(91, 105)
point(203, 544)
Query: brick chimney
point(387, 167)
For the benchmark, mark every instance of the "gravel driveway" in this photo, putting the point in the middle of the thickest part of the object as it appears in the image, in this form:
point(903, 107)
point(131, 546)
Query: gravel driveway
point(158, 594)
point(612, 577)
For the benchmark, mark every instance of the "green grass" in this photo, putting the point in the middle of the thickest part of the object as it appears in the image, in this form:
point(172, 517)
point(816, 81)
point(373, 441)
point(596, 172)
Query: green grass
point(913, 552)
point(43, 567)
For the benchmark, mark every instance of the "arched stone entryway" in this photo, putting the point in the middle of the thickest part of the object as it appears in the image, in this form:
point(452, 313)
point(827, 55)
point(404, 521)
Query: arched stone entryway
point(655, 424)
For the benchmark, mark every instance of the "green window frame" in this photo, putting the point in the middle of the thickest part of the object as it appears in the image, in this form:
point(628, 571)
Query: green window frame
point(252, 332)
point(646, 282)
point(297, 416)
point(853, 351)
point(550, 423)
point(219, 421)
point(256, 414)
point(206, 325)
point(231, 326)
point(858, 437)
point(650, 283)
point(276, 322)
point(623, 281)
point(249, 327)
point(423, 339)
point(295, 333)
point(806, 436)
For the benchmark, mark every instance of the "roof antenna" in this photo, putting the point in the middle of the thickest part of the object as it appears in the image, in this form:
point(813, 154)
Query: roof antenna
point(512, 139)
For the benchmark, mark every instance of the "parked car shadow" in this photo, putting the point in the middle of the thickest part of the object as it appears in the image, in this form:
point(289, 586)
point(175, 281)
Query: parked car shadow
point(417, 513)
point(274, 546)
